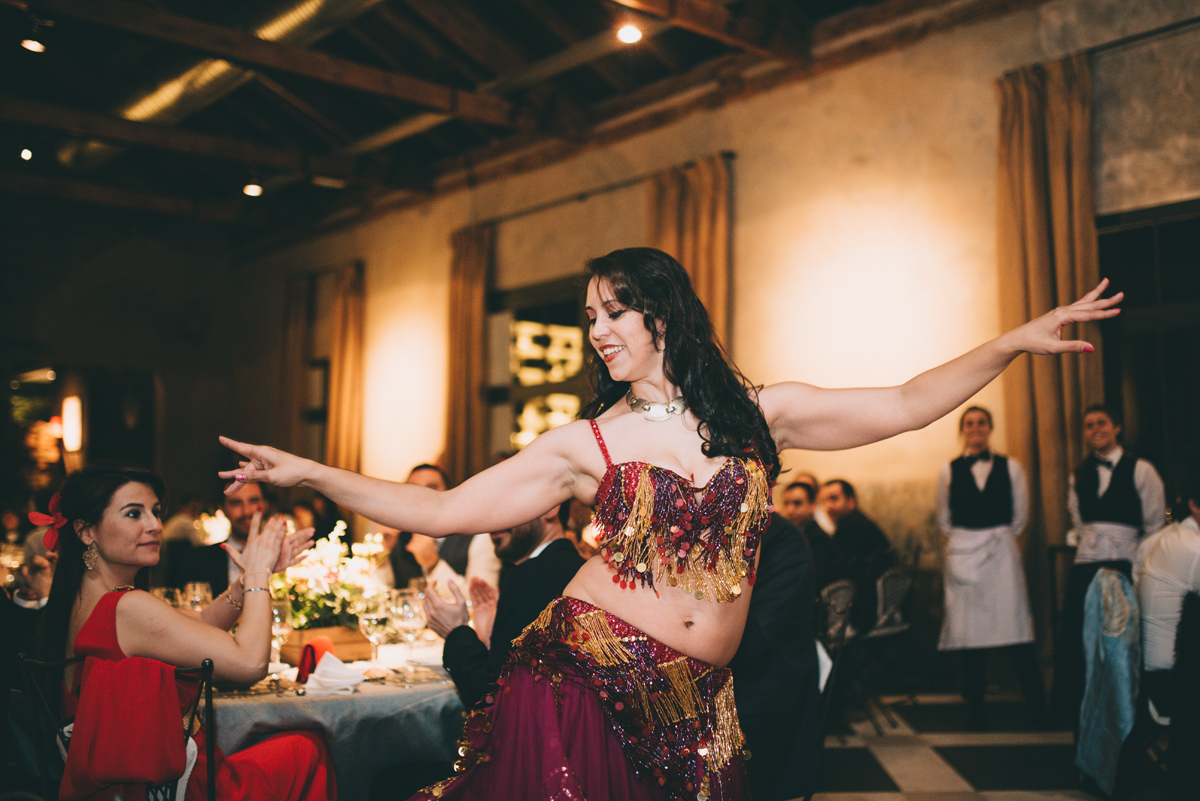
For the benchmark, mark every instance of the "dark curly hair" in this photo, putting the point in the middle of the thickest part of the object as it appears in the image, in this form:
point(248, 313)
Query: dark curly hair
point(654, 284)
point(83, 498)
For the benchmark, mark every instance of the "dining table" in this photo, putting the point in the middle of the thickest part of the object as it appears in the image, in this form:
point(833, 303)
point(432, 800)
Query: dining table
point(406, 710)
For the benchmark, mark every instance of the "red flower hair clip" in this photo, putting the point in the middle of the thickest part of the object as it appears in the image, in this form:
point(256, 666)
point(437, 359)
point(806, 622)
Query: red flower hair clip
point(54, 520)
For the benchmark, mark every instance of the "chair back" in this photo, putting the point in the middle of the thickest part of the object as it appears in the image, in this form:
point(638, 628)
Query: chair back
point(53, 731)
point(42, 683)
point(892, 590)
point(837, 602)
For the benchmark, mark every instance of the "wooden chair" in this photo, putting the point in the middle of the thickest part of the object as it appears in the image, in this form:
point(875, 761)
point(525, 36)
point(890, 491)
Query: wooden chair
point(52, 731)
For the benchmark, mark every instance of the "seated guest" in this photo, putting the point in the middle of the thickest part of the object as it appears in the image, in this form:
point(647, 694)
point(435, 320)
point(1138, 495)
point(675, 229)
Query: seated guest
point(775, 671)
point(217, 564)
point(464, 556)
point(1165, 569)
point(858, 550)
point(19, 615)
point(107, 530)
point(544, 562)
point(800, 507)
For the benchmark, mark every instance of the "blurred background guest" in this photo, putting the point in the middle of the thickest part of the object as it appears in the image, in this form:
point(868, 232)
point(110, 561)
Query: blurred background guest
point(213, 563)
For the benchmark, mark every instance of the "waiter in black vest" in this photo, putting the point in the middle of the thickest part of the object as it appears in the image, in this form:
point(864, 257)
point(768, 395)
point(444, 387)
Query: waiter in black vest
point(983, 508)
point(1115, 499)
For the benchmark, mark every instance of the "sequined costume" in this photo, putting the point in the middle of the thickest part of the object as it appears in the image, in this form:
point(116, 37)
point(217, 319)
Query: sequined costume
point(651, 528)
point(590, 707)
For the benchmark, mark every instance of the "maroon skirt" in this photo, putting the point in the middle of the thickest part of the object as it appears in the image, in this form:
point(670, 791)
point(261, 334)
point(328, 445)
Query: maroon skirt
point(589, 707)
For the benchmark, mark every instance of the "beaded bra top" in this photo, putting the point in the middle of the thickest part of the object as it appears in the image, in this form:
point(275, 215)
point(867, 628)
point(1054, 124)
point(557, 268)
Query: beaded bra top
point(651, 529)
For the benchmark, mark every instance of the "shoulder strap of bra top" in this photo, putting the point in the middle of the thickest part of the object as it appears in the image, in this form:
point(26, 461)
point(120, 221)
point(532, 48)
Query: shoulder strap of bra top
point(600, 441)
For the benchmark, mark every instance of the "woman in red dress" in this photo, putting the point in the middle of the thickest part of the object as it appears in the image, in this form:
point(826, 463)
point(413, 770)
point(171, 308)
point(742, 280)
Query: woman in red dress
point(106, 526)
point(619, 689)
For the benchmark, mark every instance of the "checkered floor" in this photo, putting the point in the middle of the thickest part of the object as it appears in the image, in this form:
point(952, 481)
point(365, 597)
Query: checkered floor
point(916, 748)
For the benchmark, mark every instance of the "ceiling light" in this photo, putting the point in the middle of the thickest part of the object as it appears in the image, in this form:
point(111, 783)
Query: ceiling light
point(629, 34)
point(26, 154)
point(33, 46)
point(252, 190)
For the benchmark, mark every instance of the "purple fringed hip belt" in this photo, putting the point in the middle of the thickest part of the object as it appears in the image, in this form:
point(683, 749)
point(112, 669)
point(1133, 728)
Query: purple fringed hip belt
point(583, 687)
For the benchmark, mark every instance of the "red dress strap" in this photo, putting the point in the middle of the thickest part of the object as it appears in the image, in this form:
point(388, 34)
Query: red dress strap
point(600, 441)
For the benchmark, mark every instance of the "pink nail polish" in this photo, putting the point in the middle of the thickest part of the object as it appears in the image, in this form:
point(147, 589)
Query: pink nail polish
point(1088, 348)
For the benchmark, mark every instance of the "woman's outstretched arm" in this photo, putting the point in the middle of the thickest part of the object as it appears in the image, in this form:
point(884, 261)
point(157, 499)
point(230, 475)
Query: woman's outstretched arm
point(515, 491)
point(804, 416)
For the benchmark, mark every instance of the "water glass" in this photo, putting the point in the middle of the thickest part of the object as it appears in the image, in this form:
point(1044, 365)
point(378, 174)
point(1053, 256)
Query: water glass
point(373, 622)
point(408, 613)
point(281, 626)
point(197, 595)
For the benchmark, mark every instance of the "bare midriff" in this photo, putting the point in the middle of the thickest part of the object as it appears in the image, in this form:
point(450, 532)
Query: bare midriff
point(704, 630)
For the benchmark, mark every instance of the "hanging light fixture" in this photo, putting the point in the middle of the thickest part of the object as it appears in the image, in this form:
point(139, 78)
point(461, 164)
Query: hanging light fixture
point(629, 34)
point(35, 42)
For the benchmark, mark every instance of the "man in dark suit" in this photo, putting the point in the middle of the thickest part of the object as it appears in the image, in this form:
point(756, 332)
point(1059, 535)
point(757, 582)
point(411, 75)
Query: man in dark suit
point(775, 671)
point(210, 563)
point(859, 550)
point(799, 506)
point(544, 562)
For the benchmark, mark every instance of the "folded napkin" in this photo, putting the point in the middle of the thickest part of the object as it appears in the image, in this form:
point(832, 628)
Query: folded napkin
point(332, 677)
point(313, 650)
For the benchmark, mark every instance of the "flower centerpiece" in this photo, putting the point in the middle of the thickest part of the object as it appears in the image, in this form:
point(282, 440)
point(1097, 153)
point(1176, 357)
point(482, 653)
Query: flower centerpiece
point(325, 590)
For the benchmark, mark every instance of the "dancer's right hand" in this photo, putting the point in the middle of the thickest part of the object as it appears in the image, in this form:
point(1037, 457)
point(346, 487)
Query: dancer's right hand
point(262, 463)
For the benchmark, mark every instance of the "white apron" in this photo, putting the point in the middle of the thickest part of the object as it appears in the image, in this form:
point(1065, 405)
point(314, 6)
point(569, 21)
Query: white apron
point(987, 604)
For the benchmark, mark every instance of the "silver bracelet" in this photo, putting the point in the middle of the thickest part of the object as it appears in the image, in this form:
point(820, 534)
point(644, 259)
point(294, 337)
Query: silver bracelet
point(255, 589)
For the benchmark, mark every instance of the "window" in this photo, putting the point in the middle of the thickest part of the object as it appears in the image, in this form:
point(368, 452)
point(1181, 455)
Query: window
point(536, 341)
point(1152, 350)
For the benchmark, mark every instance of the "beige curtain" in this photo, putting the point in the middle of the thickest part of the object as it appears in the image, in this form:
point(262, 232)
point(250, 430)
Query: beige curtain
point(690, 219)
point(1047, 251)
point(343, 425)
point(467, 411)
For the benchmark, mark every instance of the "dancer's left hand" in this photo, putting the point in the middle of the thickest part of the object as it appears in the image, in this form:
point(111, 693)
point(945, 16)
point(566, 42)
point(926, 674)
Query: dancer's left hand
point(1044, 334)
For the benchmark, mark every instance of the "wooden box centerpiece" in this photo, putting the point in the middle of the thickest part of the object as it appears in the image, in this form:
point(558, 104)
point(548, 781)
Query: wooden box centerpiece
point(348, 644)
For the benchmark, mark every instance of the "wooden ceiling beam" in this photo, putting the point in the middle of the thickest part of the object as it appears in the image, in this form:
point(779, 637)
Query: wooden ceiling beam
point(244, 48)
point(97, 195)
point(769, 39)
point(471, 34)
point(569, 34)
point(141, 134)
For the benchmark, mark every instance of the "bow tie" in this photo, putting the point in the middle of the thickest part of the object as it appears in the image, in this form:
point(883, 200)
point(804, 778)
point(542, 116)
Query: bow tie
point(1098, 462)
point(982, 456)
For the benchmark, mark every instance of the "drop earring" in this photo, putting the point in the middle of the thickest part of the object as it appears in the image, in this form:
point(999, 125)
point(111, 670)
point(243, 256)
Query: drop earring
point(90, 556)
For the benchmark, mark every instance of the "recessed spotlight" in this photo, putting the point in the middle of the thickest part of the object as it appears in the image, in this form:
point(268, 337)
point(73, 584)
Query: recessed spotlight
point(26, 154)
point(629, 34)
point(33, 46)
point(252, 190)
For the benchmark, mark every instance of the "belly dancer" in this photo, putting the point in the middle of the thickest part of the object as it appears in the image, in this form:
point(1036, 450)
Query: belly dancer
point(619, 689)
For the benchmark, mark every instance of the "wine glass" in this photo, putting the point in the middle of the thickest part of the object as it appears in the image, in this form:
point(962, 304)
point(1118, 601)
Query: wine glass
point(408, 614)
point(197, 595)
point(373, 622)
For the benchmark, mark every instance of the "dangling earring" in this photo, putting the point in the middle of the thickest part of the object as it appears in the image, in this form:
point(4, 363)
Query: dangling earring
point(90, 556)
